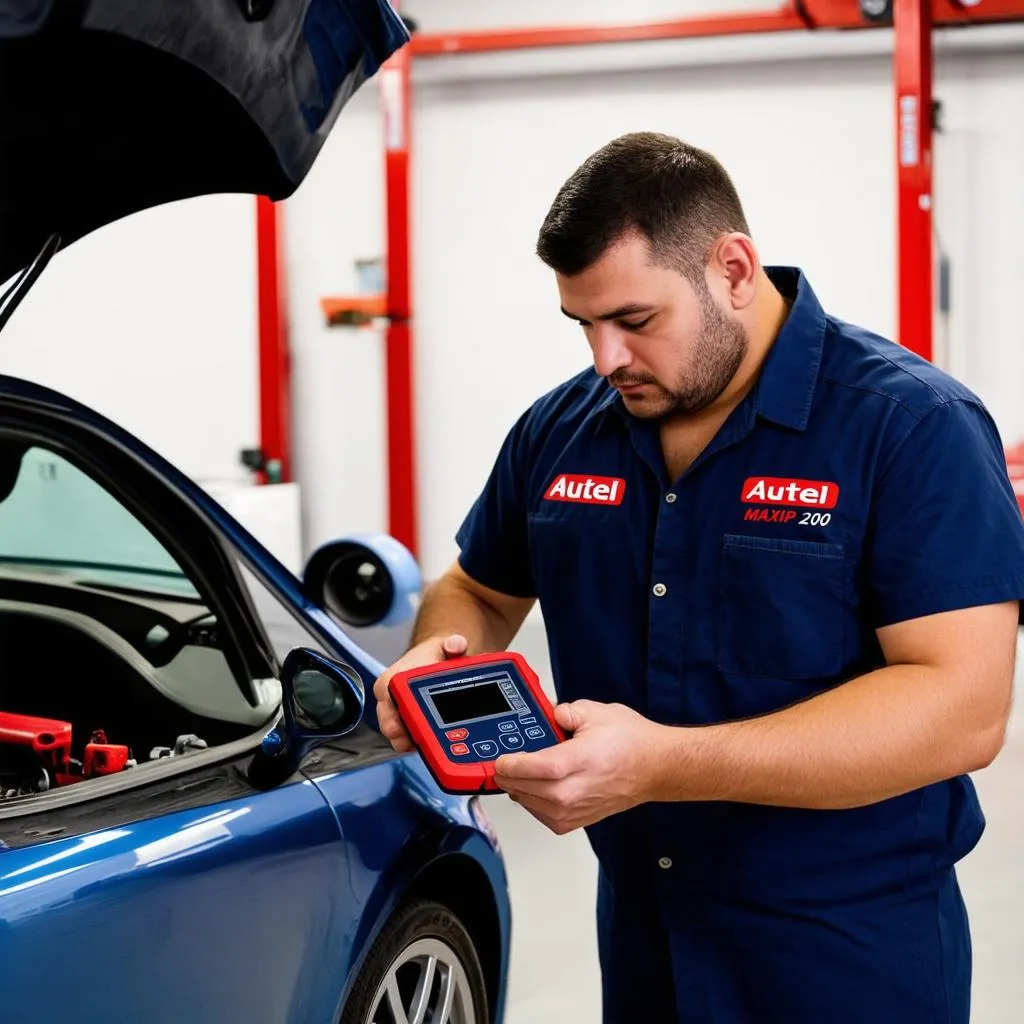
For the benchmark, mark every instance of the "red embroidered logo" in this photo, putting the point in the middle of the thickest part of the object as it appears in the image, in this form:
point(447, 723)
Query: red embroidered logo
point(591, 490)
point(771, 490)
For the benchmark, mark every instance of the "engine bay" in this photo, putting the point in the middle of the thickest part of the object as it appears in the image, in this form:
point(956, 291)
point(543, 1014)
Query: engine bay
point(97, 679)
point(38, 754)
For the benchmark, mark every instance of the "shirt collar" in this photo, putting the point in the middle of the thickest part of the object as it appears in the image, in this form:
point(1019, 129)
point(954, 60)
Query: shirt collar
point(785, 388)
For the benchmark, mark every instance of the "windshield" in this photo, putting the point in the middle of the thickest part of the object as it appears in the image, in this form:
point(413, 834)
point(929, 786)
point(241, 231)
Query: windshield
point(52, 514)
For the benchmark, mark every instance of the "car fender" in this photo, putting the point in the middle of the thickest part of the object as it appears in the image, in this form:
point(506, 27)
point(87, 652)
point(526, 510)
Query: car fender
point(441, 840)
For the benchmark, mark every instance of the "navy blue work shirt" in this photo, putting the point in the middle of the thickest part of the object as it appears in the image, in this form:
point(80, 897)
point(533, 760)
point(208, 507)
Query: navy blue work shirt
point(855, 486)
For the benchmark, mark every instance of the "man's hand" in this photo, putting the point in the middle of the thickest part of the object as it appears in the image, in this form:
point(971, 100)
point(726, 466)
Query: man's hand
point(426, 653)
point(604, 768)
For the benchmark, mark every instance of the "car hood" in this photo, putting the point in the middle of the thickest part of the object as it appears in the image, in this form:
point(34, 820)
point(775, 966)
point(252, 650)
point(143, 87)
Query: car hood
point(108, 107)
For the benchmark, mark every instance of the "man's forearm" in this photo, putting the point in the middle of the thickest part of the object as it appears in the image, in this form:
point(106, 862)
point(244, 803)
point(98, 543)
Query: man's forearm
point(877, 736)
point(449, 607)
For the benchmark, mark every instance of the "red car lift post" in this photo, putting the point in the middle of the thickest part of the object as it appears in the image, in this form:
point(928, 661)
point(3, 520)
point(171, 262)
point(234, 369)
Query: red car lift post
point(913, 21)
point(274, 362)
point(913, 79)
point(403, 507)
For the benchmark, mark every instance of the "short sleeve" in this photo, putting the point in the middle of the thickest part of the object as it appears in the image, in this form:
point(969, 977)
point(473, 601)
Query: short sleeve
point(493, 536)
point(946, 531)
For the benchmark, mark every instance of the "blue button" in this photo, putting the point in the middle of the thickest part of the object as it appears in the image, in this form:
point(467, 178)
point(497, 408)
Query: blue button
point(513, 742)
point(486, 748)
point(535, 732)
point(508, 727)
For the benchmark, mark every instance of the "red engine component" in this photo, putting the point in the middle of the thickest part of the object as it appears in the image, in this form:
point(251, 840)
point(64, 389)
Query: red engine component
point(50, 741)
point(49, 738)
point(104, 759)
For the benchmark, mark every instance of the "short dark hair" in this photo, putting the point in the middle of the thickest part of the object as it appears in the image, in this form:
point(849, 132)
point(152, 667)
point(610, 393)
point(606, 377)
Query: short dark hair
point(678, 196)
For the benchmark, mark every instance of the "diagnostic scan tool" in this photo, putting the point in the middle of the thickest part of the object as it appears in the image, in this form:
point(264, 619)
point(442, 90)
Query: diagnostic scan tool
point(464, 713)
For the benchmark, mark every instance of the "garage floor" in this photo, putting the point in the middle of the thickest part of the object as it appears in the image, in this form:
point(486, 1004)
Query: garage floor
point(555, 975)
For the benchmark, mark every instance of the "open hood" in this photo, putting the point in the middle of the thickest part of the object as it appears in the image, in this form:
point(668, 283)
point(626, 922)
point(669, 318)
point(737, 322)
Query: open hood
point(108, 107)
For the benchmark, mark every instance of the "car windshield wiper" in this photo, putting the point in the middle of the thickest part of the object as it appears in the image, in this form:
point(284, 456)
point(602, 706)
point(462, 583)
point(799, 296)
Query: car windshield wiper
point(11, 298)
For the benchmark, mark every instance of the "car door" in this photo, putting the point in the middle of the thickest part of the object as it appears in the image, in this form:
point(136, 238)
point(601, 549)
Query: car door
point(170, 890)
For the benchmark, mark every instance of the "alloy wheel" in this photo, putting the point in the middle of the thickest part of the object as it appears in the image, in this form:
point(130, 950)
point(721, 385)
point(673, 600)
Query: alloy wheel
point(425, 984)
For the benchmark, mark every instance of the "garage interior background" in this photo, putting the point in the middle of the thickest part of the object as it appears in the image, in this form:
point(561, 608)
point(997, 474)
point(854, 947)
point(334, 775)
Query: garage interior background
point(805, 121)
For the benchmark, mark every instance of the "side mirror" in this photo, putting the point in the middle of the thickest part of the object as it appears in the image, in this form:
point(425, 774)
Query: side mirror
point(366, 580)
point(322, 700)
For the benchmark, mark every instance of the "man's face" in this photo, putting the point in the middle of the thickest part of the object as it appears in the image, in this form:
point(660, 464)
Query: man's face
point(667, 347)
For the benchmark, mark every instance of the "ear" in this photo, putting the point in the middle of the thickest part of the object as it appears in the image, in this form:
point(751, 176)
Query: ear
point(733, 270)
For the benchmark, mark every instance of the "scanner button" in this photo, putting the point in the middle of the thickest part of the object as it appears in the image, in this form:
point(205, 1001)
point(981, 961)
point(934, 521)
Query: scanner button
point(535, 732)
point(486, 748)
point(513, 742)
point(508, 727)
point(527, 720)
point(457, 734)
point(459, 748)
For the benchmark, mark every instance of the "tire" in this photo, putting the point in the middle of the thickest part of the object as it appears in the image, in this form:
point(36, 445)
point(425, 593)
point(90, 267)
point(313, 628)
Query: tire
point(420, 931)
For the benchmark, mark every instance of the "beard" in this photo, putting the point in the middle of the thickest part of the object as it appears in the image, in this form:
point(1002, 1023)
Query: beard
point(720, 349)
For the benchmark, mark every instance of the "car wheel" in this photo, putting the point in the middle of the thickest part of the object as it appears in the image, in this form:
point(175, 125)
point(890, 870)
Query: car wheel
point(423, 968)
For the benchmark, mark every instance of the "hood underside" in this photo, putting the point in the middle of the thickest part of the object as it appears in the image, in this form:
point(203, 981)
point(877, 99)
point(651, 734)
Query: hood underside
point(108, 107)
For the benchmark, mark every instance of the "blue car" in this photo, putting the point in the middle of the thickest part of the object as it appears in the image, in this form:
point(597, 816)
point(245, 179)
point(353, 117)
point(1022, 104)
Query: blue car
point(199, 820)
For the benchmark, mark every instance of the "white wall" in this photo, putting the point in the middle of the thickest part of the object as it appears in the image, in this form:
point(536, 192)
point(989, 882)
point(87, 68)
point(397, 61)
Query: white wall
point(334, 218)
point(980, 216)
point(490, 309)
point(152, 321)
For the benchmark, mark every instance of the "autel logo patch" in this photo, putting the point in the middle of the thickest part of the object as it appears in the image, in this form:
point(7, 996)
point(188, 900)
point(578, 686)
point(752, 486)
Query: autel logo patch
point(591, 490)
point(770, 490)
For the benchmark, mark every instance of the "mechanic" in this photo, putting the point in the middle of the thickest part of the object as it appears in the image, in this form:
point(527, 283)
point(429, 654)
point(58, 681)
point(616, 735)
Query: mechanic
point(782, 632)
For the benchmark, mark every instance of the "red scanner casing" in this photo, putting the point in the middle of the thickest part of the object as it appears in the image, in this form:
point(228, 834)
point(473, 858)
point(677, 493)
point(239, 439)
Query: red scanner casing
point(476, 776)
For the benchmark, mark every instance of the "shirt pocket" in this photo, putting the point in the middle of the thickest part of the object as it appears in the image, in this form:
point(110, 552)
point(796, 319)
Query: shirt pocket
point(570, 554)
point(781, 613)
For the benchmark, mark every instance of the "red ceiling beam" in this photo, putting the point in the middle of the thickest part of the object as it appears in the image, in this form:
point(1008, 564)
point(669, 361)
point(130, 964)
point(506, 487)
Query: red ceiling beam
point(784, 19)
point(944, 13)
point(953, 12)
point(792, 16)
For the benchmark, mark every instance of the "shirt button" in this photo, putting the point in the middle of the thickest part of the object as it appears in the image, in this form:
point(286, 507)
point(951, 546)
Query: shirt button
point(665, 863)
point(660, 590)
point(670, 497)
